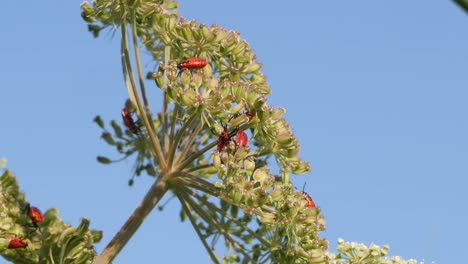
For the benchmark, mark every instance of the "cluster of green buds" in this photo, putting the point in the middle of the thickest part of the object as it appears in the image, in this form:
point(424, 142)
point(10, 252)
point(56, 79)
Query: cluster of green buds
point(51, 241)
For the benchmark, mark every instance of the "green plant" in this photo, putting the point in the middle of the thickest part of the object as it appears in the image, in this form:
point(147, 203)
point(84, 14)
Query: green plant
point(226, 189)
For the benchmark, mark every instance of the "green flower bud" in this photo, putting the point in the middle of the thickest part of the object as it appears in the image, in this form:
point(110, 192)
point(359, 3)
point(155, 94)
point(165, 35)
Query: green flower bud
point(187, 34)
point(207, 71)
point(239, 49)
point(259, 103)
point(103, 160)
point(171, 5)
point(220, 34)
point(212, 83)
point(249, 164)
point(267, 218)
point(257, 78)
point(302, 168)
point(99, 121)
point(253, 67)
point(276, 194)
point(241, 119)
point(158, 79)
point(284, 138)
point(171, 21)
point(188, 98)
point(185, 77)
point(237, 197)
point(278, 113)
point(166, 39)
point(207, 34)
point(196, 80)
point(108, 138)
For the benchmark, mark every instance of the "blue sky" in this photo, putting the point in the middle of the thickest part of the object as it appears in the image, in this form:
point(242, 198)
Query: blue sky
point(375, 91)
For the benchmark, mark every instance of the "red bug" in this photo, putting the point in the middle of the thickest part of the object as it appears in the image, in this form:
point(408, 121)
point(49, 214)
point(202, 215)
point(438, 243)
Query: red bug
point(241, 139)
point(310, 203)
point(249, 115)
point(191, 64)
point(16, 242)
point(35, 215)
point(223, 140)
point(129, 122)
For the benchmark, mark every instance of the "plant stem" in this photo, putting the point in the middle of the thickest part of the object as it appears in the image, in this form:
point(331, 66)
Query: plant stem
point(160, 161)
point(138, 65)
point(152, 197)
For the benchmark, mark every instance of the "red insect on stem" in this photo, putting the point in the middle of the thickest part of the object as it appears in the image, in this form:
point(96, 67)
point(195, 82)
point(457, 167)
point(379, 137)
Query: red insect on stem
point(223, 139)
point(191, 64)
point(250, 115)
point(35, 215)
point(129, 122)
point(241, 139)
point(310, 203)
point(16, 242)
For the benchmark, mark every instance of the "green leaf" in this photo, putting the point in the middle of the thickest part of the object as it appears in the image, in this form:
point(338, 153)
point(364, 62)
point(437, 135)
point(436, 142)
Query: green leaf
point(103, 160)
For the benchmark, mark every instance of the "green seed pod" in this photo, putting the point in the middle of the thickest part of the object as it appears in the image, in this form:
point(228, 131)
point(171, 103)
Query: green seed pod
point(302, 168)
point(171, 21)
point(108, 138)
point(196, 80)
point(253, 67)
point(171, 5)
point(103, 160)
point(99, 121)
point(259, 103)
point(166, 39)
point(187, 33)
point(207, 71)
point(220, 34)
point(278, 113)
point(207, 34)
point(185, 77)
point(158, 79)
point(239, 49)
point(237, 197)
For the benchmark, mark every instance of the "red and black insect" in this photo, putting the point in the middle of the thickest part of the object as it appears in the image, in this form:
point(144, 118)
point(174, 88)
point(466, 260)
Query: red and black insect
point(16, 242)
point(34, 214)
point(241, 139)
point(310, 203)
point(129, 122)
point(223, 139)
point(250, 115)
point(191, 64)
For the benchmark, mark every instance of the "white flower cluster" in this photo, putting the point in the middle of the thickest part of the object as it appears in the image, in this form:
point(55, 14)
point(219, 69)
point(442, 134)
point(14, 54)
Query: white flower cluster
point(352, 252)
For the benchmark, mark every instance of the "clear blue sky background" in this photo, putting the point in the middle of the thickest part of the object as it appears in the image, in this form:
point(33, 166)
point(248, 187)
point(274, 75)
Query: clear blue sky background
point(376, 92)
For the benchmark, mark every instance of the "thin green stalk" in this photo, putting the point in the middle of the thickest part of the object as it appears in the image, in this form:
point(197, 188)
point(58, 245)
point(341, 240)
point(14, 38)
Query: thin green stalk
point(151, 199)
point(138, 64)
point(154, 140)
point(231, 218)
point(197, 168)
point(177, 139)
point(167, 57)
point(175, 114)
point(211, 221)
point(197, 183)
point(193, 133)
point(195, 155)
point(200, 235)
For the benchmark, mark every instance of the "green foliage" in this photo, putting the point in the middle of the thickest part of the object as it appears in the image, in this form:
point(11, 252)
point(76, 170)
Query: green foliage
point(463, 4)
point(51, 242)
